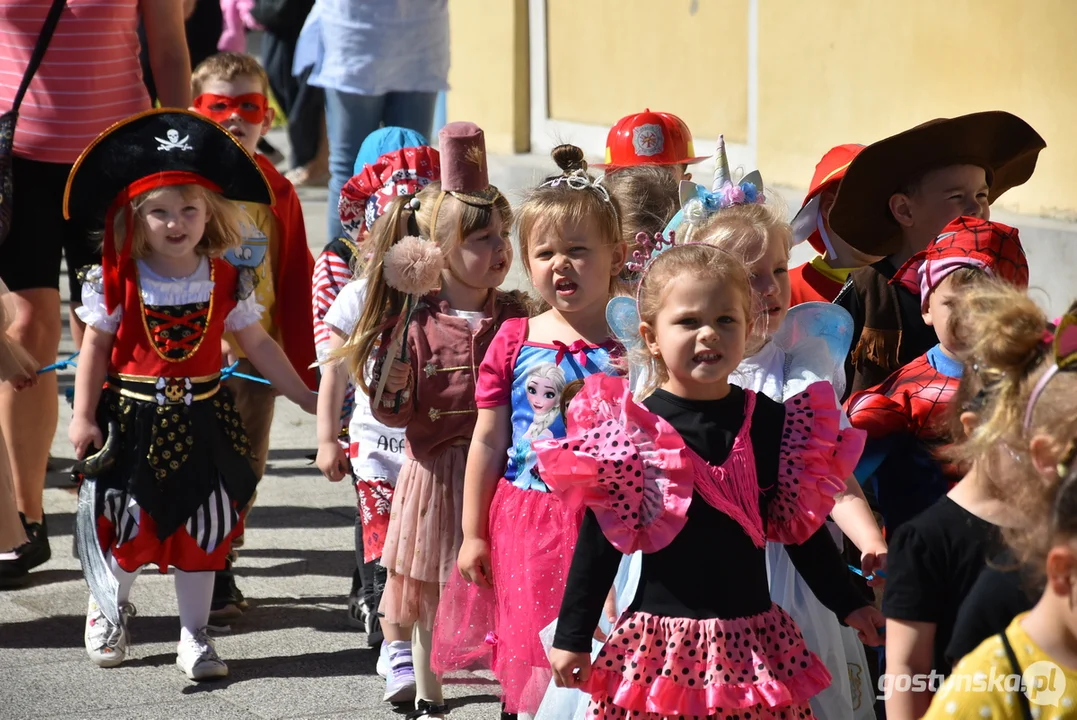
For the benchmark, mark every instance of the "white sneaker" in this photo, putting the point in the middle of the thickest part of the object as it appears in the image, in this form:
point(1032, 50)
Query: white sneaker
point(197, 657)
point(106, 644)
point(383, 660)
point(400, 681)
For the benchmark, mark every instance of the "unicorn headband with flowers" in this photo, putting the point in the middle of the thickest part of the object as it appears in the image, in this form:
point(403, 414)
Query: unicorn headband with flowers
point(698, 203)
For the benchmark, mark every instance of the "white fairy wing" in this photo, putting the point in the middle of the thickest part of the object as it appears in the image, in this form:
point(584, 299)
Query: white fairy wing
point(816, 338)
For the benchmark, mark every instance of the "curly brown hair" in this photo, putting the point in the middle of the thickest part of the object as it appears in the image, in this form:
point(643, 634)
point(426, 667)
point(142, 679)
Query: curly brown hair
point(1007, 355)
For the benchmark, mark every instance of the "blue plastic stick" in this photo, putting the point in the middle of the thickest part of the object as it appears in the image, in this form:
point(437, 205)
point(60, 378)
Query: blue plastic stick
point(230, 371)
point(60, 365)
point(858, 571)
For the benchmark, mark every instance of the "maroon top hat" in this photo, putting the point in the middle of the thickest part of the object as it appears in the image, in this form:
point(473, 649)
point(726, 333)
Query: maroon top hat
point(463, 163)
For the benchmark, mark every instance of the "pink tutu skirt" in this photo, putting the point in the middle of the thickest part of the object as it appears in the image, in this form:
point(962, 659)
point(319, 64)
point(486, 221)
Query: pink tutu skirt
point(662, 666)
point(532, 538)
point(423, 536)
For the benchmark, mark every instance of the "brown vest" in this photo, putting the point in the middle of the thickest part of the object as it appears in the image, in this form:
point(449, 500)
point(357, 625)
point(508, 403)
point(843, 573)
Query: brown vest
point(894, 332)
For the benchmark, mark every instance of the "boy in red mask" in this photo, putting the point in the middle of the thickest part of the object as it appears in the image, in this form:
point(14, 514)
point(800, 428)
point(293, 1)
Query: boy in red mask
point(232, 89)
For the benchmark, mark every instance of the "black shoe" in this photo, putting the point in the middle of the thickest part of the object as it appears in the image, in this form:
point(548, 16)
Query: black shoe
point(32, 553)
point(426, 709)
point(357, 610)
point(228, 602)
point(374, 634)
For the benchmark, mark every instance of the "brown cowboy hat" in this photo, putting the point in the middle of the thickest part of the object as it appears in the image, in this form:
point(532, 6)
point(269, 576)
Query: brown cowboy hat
point(1002, 144)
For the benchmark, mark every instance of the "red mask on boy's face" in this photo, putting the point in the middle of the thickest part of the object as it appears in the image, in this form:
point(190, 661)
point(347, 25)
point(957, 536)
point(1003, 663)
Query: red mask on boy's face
point(251, 107)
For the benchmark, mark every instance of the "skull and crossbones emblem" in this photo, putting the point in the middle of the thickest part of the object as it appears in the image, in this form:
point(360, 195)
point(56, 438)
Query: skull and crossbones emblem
point(173, 141)
point(173, 391)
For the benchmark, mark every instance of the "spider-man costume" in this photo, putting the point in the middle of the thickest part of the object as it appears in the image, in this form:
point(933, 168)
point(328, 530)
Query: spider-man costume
point(904, 416)
point(905, 422)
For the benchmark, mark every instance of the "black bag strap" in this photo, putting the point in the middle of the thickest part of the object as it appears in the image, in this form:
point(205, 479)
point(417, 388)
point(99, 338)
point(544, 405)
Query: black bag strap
point(39, 50)
point(1026, 709)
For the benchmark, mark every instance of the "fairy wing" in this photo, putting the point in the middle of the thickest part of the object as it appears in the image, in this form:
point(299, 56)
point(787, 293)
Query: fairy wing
point(816, 338)
point(622, 316)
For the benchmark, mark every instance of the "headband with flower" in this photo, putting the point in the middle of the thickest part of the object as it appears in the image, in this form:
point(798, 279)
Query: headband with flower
point(698, 203)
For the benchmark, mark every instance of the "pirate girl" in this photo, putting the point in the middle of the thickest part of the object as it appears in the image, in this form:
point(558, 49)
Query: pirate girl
point(168, 469)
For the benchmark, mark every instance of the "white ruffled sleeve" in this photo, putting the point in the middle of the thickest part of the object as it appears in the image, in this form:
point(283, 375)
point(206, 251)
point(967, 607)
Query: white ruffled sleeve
point(92, 311)
point(246, 312)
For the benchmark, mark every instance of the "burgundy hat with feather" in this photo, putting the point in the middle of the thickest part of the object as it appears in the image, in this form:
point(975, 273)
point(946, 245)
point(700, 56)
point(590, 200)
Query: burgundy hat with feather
point(463, 164)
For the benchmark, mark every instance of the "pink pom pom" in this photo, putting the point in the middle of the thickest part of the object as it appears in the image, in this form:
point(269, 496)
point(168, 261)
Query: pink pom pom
point(413, 266)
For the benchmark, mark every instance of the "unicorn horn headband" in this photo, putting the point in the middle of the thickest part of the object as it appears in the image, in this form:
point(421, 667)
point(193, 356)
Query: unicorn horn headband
point(698, 203)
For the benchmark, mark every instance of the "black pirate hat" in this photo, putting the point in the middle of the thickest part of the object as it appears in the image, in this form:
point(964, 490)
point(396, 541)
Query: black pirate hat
point(150, 150)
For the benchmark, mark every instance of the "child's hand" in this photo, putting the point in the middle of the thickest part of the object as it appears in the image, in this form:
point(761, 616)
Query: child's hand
point(872, 563)
point(332, 461)
point(474, 562)
point(570, 669)
point(610, 608)
point(867, 621)
point(84, 434)
point(228, 353)
point(25, 382)
point(310, 404)
point(399, 376)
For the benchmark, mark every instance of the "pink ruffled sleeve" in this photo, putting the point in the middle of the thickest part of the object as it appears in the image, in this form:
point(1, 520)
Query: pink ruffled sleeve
point(815, 458)
point(493, 387)
point(629, 466)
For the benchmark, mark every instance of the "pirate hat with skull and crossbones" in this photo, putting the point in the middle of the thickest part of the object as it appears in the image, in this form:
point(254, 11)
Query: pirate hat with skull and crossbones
point(150, 150)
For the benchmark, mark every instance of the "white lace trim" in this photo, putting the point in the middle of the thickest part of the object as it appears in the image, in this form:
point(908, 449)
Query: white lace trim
point(161, 291)
point(246, 313)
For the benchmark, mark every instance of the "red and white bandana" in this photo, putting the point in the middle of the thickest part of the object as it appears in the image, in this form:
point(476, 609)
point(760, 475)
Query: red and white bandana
point(366, 195)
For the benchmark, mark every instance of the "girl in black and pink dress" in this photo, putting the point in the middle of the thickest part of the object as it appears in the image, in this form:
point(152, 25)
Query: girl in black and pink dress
point(699, 477)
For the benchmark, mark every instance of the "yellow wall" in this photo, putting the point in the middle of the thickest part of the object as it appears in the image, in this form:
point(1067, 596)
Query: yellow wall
point(611, 58)
point(488, 76)
point(859, 70)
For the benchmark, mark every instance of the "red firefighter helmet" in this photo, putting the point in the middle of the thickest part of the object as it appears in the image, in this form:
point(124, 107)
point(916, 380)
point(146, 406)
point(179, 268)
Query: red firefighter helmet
point(649, 138)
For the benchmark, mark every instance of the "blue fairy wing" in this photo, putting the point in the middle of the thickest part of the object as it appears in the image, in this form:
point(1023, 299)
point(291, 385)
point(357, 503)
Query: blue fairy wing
point(827, 321)
point(623, 318)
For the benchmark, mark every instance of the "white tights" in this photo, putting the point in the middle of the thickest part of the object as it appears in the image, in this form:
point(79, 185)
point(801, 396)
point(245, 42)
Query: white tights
point(194, 595)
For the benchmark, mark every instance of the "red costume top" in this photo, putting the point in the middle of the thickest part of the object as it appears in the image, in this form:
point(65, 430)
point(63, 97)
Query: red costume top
point(293, 270)
point(913, 400)
point(808, 284)
point(168, 344)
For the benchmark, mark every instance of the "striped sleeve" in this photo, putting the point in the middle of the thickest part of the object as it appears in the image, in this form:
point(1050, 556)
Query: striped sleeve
point(331, 272)
point(90, 76)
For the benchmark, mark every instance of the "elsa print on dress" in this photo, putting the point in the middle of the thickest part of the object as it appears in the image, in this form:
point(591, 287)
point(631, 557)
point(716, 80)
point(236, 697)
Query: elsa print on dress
point(543, 388)
point(545, 383)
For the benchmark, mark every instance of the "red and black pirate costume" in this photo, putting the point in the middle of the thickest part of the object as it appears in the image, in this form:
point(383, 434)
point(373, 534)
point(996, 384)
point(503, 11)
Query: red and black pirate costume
point(889, 331)
point(174, 472)
point(905, 416)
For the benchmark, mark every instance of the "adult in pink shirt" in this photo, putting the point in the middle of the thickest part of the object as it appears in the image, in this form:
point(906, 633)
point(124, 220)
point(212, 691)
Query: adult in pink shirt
point(90, 78)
